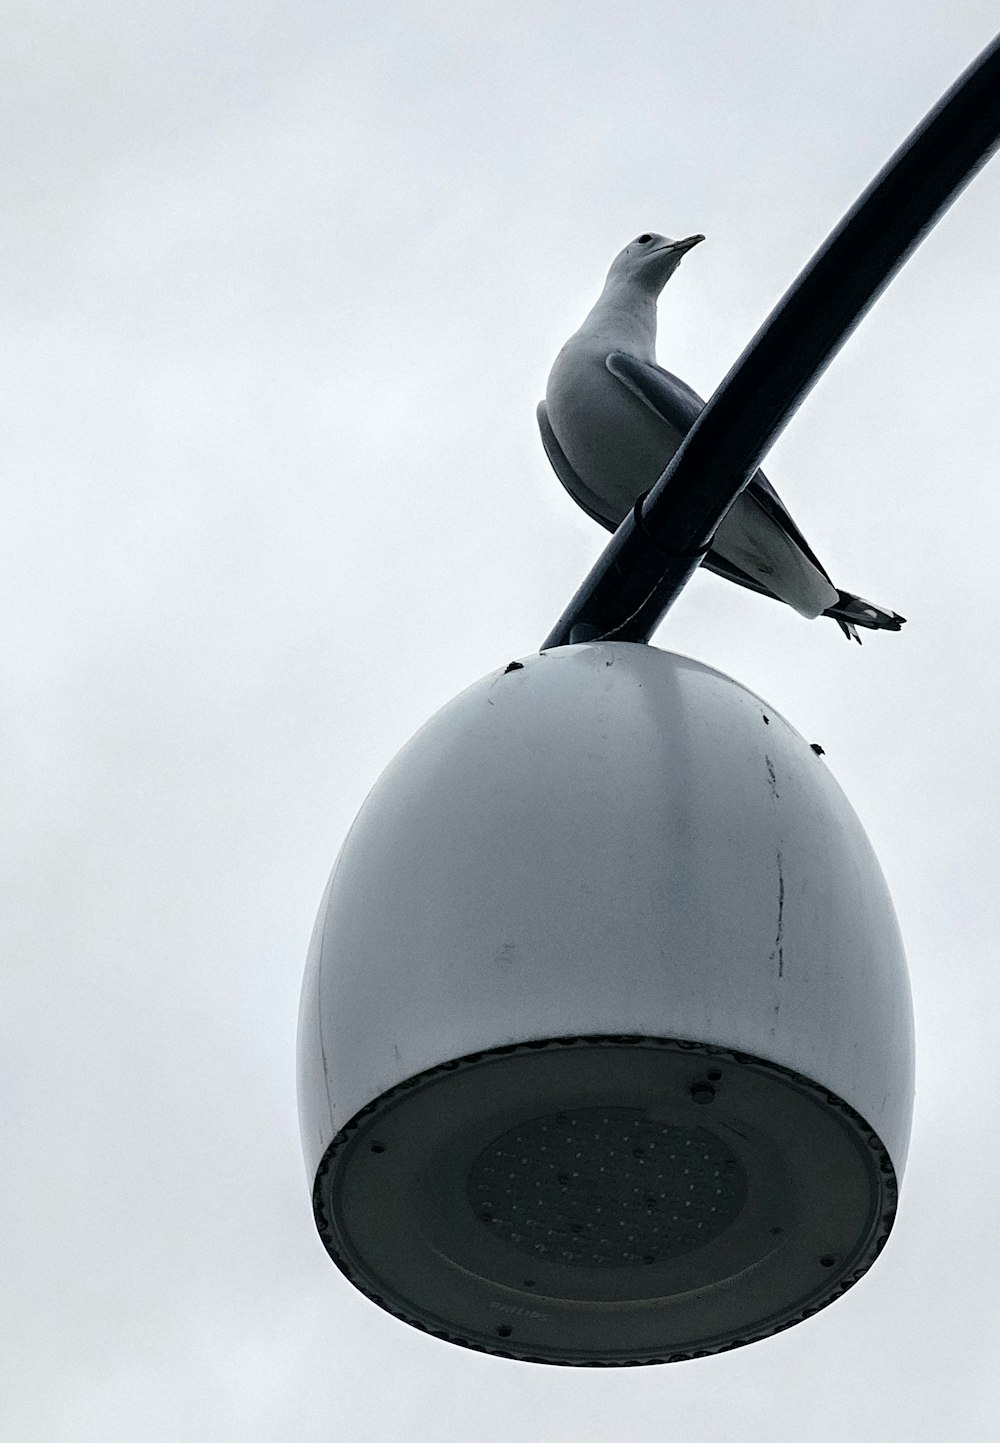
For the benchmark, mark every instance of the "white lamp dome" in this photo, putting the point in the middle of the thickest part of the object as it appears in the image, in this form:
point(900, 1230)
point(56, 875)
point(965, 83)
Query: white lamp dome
point(606, 1047)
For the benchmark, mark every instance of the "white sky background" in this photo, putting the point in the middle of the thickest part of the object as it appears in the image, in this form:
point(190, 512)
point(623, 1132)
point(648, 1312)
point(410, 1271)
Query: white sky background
point(282, 283)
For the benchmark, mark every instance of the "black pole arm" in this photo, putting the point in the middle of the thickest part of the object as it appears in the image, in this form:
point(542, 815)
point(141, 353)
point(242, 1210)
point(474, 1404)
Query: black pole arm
point(658, 547)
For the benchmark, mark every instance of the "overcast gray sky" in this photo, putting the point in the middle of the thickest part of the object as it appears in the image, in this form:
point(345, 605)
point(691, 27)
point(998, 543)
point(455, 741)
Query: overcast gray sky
point(282, 282)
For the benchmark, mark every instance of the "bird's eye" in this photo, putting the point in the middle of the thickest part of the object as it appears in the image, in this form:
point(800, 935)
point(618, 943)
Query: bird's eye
point(643, 239)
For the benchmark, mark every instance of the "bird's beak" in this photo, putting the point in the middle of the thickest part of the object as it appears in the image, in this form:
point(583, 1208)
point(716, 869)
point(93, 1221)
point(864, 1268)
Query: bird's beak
point(686, 245)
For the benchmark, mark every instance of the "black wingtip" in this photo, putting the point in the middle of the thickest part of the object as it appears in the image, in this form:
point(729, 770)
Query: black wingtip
point(851, 611)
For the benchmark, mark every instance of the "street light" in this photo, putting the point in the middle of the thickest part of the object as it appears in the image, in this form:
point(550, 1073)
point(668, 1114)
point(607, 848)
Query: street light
point(607, 1039)
point(606, 1036)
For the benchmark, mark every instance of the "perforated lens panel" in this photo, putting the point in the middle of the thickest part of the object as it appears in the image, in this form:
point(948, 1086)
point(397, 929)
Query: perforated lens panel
point(607, 1187)
point(605, 1201)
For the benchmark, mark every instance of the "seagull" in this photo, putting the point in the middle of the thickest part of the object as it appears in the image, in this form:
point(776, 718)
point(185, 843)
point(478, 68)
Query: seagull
point(612, 419)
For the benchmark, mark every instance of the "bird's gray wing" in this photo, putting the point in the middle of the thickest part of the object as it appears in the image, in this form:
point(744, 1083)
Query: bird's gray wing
point(581, 493)
point(679, 406)
point(666, 396)
point(591, 503)
point(675, 402)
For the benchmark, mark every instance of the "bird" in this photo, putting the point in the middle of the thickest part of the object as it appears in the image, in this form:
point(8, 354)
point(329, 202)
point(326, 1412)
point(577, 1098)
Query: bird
point(612, 419)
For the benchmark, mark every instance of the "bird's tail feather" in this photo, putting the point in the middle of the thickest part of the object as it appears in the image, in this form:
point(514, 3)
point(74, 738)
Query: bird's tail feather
point(850, 612)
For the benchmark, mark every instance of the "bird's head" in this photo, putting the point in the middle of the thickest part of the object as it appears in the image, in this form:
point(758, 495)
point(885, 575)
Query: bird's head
point(650, 260)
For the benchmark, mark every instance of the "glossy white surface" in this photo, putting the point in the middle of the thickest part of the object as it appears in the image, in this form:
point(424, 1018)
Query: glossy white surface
point(608, 839)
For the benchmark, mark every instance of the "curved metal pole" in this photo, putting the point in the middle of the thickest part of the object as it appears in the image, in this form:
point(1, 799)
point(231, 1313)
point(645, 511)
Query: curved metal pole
point(659, 546)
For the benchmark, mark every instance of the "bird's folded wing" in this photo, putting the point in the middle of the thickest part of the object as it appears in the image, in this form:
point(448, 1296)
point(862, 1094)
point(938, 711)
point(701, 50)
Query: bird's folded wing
point(760, 490)
point(676, 403)
point(679, 406)
point(666, 396)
